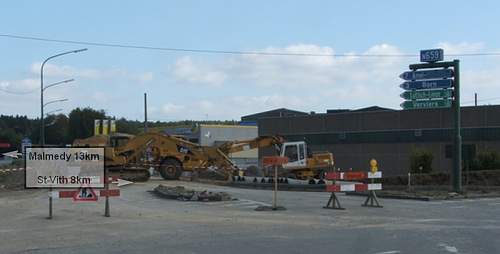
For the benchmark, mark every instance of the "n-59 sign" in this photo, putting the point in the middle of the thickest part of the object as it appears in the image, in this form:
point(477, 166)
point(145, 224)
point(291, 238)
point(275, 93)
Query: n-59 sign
point(431, 55)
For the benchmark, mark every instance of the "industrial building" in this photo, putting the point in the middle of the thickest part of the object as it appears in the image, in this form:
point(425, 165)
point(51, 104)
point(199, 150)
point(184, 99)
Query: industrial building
point(214, 135)
point(356, 136)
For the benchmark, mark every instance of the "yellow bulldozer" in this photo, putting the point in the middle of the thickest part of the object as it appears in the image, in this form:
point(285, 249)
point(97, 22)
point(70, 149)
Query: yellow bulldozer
point(130, 157)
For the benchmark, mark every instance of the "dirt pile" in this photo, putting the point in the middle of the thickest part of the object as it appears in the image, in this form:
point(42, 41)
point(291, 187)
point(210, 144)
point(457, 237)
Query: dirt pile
point(183, 194)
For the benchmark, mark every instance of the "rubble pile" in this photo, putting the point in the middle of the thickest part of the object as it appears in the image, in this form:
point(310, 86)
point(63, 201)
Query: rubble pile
point(183, 194)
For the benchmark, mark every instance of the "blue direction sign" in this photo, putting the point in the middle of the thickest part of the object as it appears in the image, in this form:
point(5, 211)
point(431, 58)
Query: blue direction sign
point(427, 84)
point(431, 74)
point(445, 103)
point(431, 55)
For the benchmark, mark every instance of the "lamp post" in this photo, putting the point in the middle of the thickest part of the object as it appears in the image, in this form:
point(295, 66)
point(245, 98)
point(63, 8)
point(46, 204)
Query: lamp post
point(54, 101)
point(53, 111)
point(42, 129)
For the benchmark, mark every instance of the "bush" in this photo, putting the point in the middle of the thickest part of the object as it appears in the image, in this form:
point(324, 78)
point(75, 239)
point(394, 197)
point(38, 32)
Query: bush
point(421, 161)
point(486, 160)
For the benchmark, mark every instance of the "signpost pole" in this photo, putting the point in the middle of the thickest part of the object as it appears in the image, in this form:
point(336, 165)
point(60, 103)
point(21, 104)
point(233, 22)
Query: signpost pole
point(50, 203)
point(457, 163)
point(106, 208)
point(275, 198)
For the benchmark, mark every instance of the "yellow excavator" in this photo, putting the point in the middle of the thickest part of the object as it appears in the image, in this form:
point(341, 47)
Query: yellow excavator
point(130, 157)
point(302, 163)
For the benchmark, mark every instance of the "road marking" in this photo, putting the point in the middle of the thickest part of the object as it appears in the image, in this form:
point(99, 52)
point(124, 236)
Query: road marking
point(389, 252)
point(448, 248)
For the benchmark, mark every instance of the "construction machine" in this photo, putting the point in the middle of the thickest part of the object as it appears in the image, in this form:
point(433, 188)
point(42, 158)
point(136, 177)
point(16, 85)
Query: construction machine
point(302, 163)
point(130, 157)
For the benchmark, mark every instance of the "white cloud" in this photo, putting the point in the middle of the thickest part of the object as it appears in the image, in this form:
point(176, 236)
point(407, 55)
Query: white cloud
point(460, 48)
point(21, 85)
point(187, 70)
point(66, 71)
point(170, 108)
point(320, 70)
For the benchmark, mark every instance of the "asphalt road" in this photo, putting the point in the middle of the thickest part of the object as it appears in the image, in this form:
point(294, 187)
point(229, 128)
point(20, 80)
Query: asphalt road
point(143, 223)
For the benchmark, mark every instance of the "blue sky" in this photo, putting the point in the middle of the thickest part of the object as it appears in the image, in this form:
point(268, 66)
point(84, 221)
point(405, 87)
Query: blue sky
point(208, 86)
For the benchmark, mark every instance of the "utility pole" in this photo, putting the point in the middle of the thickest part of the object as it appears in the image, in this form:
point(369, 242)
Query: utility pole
point(145, 112)
point(457, 163)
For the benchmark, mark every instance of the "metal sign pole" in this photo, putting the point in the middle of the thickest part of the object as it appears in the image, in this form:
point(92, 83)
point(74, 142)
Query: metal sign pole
point(457, 163)
point(50, 203)
point(106, 206)
point(275, 187)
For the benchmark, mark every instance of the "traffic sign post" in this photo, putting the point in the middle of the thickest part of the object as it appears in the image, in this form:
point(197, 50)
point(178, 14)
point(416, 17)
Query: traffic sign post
point(427, 94)
point(436, 84)
point(431, 74)
point(427, 84)
point(423, 104)
point(431, 55)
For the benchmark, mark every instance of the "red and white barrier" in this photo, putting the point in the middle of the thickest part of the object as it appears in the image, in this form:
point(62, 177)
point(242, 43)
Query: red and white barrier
point(334, 203)
point(358, 187)
point(98, 193)
point(72, 193)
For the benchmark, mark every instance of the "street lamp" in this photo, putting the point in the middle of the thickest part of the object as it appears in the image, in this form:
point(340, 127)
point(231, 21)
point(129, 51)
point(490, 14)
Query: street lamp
point(54, 101)
point(53, 111)
point(59, 83)
point(42, 129)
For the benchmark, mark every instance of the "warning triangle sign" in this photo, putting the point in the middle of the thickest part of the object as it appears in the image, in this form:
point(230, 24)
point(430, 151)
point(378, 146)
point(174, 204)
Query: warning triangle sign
point(85, 193)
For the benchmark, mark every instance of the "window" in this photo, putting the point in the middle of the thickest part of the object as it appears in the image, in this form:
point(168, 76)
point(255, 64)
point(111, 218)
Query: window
point(291, 153)
point(301, 151)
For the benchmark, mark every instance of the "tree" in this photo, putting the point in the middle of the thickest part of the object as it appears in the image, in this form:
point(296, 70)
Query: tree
point(421, 161)
point(81, 122)
point(56, 129)
point(485, 160)
point(126, 126)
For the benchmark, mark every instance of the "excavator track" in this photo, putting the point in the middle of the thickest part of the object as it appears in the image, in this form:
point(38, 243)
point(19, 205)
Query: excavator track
point(129, 174)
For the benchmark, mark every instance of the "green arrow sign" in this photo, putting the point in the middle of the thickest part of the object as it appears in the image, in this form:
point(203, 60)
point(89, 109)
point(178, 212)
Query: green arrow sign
point(427, 94)
point(446, 103)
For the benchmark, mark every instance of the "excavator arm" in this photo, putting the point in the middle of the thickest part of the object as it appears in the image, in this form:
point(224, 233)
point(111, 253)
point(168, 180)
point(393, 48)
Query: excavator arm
point(243, 145)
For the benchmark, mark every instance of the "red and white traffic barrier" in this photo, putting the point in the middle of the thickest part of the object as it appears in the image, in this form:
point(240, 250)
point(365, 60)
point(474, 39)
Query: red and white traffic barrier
point(72, 193)
point(88, 193)
point(358, 187)
point(333, 202)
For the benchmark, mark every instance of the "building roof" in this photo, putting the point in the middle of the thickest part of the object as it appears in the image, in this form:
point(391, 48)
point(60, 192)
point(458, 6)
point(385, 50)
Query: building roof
point(372, 108)
point(280, 112)
point(228, 126)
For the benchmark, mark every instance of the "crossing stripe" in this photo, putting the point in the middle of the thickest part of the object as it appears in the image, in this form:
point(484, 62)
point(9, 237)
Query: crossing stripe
point(71, 193)
point(358, 187)
point(352, 175)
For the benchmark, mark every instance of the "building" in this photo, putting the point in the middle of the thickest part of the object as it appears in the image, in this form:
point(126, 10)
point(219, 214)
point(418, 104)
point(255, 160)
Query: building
point(280, 112)
point(215, 135)
point(356, 136)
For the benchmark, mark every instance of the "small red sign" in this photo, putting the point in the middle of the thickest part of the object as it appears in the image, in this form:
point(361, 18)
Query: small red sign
point(85, 194)
point(274, 160)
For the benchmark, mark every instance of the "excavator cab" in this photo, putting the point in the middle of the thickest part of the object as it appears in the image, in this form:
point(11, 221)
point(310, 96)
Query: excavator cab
point(296, 152)
point(303, 163)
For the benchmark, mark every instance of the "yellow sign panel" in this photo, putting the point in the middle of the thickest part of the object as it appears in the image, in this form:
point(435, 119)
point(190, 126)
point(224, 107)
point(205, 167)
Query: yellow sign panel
point(105, 127)
point(373, 165)
point(97, 127)
point(113, 126)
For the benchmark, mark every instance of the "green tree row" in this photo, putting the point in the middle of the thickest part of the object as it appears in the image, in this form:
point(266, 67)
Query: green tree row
point(61, 129)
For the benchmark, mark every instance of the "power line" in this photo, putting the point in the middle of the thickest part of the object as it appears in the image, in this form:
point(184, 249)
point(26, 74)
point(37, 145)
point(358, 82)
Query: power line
point(17, 93)
point(233, 52)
